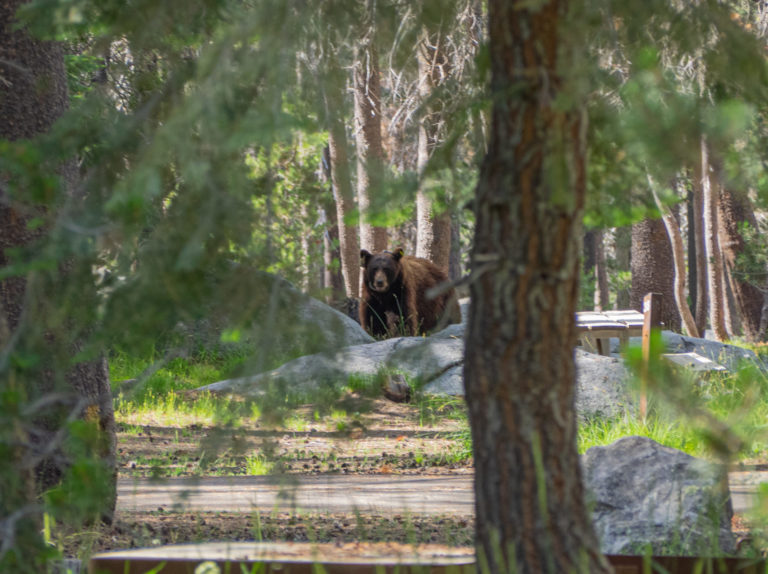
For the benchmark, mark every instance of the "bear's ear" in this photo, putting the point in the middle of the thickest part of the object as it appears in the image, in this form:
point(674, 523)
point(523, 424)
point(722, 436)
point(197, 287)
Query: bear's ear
point(398, 253)
point(365, 257)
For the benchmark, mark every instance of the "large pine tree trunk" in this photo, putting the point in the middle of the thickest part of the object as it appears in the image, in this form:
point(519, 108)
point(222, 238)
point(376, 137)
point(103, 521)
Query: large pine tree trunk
point(433, 231)
point(370, 156)
point(653, 269)
point(349, 246)
point(519, 370)
point(735, 210)
point(44, 314)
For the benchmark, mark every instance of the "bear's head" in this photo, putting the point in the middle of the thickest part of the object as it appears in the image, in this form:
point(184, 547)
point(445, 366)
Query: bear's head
point(382, 270)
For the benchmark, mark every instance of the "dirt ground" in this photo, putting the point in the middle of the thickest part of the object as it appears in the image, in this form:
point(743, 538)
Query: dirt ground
point(388, 438)
point(383, 437)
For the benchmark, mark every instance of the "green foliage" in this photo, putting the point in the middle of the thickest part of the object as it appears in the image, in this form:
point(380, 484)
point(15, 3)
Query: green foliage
point(198, 151)
point(665, 81)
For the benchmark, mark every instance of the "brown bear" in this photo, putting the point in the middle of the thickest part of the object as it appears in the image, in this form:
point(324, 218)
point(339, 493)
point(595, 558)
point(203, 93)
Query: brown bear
point(395, 302)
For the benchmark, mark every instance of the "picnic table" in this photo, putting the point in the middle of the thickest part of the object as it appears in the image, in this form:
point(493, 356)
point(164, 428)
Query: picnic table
point(597, 328)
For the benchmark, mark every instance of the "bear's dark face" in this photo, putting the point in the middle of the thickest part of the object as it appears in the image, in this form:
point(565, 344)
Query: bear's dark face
point(382, 270)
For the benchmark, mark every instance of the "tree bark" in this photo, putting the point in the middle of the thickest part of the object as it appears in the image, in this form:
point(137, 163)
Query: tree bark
point(710, 196)
point(455, 271)
point(735, 211)
point(602, 295)
point(333, 283)
point(653, 269)
point(343, 194)
point(48, 313)
point(623, 248)
point(678, 258)
point(433, 237)
point(519, 370)
point(589, 251)
point(370, 155)
point(696, 226)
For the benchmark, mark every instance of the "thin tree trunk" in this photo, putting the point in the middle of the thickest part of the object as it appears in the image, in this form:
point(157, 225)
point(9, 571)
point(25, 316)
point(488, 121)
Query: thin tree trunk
point(710, 195)
point(519, 371)
point(691, 251)
point(678, 257)
point(454, 268)
point(370, 156)
point(333, 283)
point(732, 319)
point(602, 295)
point(589, 250)
point(305, 254)
point(343, 194)
point(735, 211)
point(696, 226)
point(433, 238)
point(623, 248)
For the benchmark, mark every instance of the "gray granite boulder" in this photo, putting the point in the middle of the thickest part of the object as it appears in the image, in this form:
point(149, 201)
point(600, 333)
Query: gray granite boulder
point(729, 356)
point(418, 358)
point(437, 363)
point(601, 386)
point(644, 494)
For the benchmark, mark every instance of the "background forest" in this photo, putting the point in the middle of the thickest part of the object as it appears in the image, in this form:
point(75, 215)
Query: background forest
point(180, 157)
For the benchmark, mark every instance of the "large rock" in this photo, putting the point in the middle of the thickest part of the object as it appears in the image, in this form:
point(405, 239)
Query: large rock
point(601, 386)
point(437, 363)
point(729, 356)
point(418, 358)
point(644, 494)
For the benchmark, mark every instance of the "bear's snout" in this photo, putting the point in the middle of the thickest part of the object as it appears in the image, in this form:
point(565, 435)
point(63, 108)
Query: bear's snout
point(380, 282)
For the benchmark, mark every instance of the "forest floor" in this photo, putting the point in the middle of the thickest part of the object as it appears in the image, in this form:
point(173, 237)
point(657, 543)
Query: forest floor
point(367, 437)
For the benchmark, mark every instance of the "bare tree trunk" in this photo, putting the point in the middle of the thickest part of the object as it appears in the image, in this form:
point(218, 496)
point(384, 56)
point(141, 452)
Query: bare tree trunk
point(370, 156)
point(602, 295)
point(734, 211)
point(589, 250)
point(710, 195)
point(696, 226)
point(519, 371)
point(653, 269)
point(333, 282)
point(678, 257)
point(732, 320)
point(623, 263)
point(305, 252)
point(454, 268)
point(343, 194)
point(433, 239)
